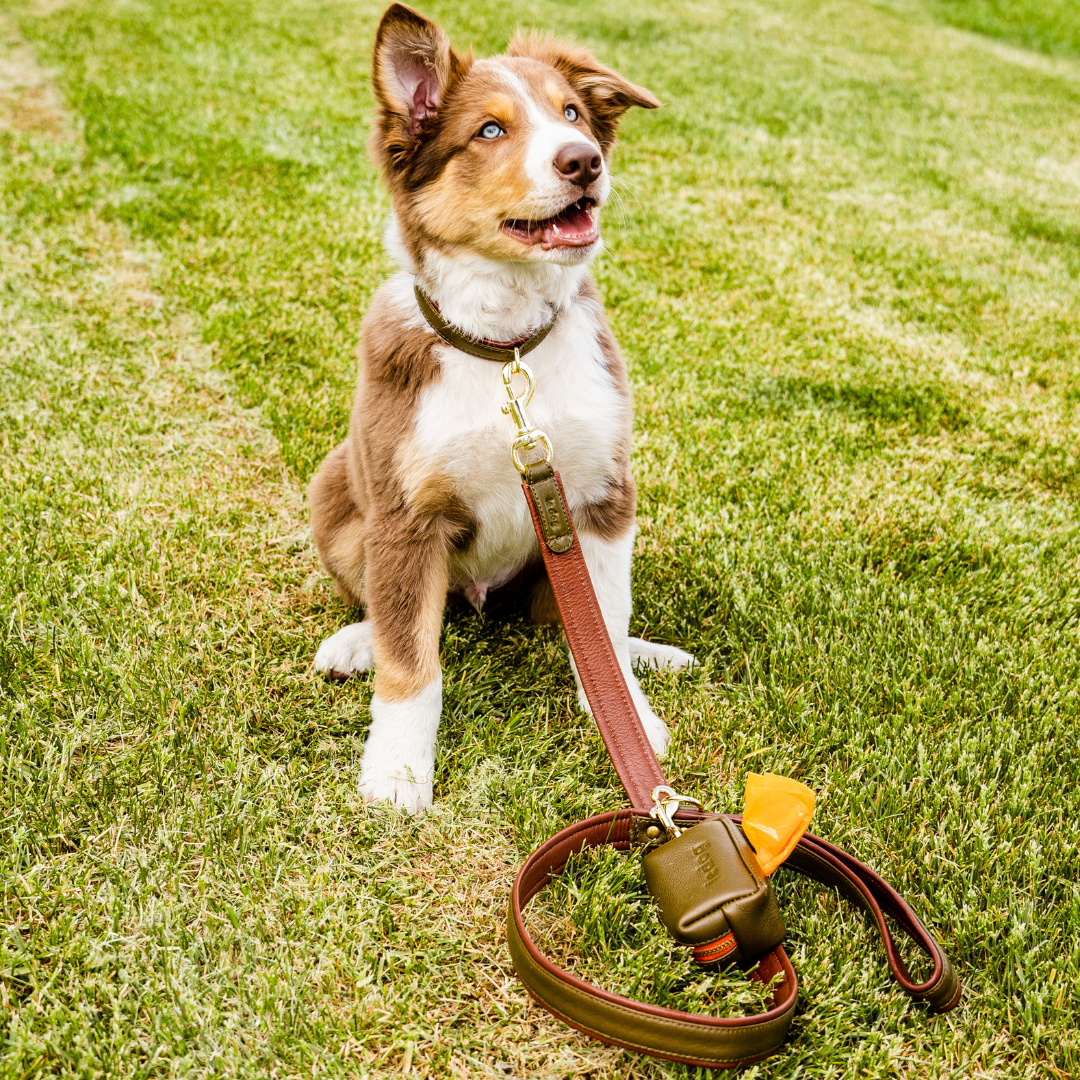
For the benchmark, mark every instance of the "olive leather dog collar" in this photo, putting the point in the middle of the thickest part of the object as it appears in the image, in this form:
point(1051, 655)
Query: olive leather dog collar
point(717, 1042)
point(480, 347)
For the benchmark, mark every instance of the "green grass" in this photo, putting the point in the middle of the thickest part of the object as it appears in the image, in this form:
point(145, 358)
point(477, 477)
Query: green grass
point(1050, 26)
point(845, 273)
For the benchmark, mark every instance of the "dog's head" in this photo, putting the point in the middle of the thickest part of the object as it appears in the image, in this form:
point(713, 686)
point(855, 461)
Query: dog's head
point(506, 157)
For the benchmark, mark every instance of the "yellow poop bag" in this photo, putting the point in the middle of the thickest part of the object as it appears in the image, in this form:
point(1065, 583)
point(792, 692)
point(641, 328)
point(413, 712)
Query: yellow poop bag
point(777, 811)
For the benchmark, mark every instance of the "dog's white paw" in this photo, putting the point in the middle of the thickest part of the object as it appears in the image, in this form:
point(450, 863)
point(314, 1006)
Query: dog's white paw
point(583, 701)
point(399, 756)
point(659, 657)
point(346, 652)
point(399, 791)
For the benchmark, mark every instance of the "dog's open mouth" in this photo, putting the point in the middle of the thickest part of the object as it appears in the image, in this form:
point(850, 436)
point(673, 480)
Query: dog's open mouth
point(573, 227)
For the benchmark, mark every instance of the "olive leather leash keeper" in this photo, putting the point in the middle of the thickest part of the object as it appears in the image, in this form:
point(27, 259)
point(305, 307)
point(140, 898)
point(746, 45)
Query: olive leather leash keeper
point(694, 1039)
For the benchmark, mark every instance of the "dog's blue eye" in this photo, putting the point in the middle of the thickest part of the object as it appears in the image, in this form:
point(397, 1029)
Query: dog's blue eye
point(570, 113)
point(491, 131)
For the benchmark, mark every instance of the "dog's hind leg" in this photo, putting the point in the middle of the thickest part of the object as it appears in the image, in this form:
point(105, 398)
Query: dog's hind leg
point(337, 525)
point(348, 651)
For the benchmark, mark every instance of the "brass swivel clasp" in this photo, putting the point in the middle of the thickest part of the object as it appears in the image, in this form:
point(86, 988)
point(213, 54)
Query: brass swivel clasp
point(666, 804)
point(528, 437)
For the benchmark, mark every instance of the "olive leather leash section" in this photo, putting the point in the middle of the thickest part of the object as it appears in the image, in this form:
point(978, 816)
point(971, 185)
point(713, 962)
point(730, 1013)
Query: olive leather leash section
point(715, 1042)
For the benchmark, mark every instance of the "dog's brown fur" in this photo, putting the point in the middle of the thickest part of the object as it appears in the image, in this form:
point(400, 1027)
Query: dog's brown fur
point(386, 551)
point(439, 186)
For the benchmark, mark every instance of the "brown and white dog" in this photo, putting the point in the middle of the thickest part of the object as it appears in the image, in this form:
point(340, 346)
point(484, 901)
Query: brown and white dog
point(498, 170)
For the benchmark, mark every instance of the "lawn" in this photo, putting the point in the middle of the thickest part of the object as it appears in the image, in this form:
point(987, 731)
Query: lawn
point(845, 270)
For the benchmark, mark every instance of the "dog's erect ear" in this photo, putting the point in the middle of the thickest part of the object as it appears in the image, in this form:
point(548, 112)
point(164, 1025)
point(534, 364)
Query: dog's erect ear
point(606, 94)
point(414, 65)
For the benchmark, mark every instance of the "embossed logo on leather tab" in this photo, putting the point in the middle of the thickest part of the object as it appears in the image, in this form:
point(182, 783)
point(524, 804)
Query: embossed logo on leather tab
point(705, 863)
point(554, 520)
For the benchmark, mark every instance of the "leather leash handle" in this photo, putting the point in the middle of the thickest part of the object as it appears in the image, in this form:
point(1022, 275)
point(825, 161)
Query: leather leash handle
point(824, 862)
point(691, 1038)
point(716, 1042)
point(816, 858)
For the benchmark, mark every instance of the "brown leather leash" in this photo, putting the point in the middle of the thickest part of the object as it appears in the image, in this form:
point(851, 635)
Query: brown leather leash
point(679, 1036)
point(691, 1038)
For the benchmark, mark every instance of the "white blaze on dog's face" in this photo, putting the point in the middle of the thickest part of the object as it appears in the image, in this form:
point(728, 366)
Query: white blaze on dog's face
point(506, 157)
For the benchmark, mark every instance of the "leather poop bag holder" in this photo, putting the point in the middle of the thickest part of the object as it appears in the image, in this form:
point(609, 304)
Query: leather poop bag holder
point(700, 868)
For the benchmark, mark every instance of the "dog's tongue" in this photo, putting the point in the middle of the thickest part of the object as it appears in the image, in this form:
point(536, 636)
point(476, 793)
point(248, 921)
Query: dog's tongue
point(574, 226)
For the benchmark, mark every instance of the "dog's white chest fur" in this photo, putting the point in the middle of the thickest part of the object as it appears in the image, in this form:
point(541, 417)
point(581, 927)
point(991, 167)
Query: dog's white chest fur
point(462, 434)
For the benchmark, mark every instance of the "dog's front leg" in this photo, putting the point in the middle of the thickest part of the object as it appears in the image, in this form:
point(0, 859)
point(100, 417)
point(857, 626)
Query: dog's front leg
point(609, 567)
point(407, 580)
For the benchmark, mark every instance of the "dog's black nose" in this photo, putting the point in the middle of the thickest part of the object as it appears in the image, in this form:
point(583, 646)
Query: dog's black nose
point(579, 163)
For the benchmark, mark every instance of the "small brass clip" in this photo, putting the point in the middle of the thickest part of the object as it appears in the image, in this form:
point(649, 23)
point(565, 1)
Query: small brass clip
point(666, 804)
point(528, 437)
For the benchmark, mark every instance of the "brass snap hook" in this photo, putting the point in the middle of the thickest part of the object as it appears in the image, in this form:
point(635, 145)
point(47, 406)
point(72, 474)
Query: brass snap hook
point(528, 437)
point(666, 804)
